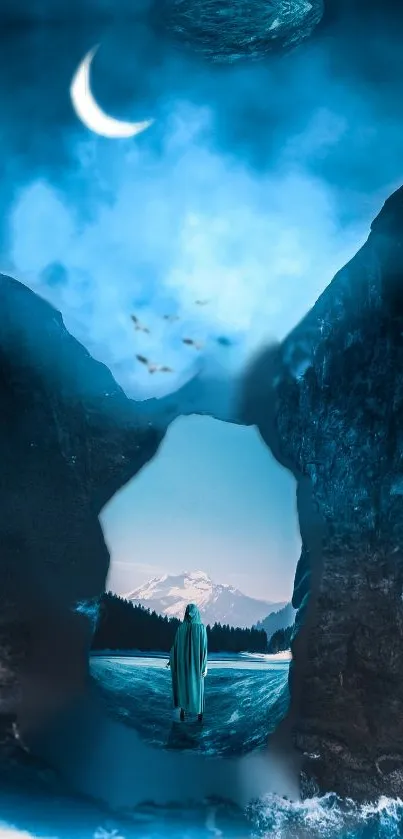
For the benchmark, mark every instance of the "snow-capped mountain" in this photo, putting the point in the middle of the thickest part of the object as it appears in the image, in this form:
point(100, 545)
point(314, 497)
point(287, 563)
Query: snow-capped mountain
point(169, 595)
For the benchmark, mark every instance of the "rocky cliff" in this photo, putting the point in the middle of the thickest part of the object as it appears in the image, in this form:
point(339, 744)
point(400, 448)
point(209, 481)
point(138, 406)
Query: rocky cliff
point(329, 403)
point(69, 438)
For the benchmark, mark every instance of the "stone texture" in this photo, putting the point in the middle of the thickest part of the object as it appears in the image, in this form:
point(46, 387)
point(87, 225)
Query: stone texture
point(332, 412)
point(328, 402)
point(69, 438)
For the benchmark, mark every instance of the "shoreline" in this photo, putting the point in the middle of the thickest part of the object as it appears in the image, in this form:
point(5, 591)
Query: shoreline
point(264, 657)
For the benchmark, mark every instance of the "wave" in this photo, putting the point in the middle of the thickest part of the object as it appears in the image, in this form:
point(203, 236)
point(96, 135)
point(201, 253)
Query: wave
point(327, 817)
point(318, 818)
point(34, 803)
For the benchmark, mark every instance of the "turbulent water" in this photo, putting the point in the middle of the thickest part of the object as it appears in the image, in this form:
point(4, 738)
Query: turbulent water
point(245, 701)
point(34, 803)
point(31, 812)
point(328, 818)
point(226, 31)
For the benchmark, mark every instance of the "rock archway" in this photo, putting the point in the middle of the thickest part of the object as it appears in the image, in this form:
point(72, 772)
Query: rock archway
point(69, 439)
point(327, 402)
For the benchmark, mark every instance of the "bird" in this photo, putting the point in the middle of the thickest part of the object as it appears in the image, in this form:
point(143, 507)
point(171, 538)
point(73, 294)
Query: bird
point(201, 302)
point(152, 367)
point(171, 318)
point(139, 327)
point(224, 341)
point(191, 343)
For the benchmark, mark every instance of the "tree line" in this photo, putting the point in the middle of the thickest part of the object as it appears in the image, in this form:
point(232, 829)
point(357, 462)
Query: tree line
point(280, 640)
point(124, 626)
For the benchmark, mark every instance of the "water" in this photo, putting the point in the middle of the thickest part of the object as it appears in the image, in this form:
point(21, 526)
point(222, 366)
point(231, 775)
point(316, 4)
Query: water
point(328, 817)
point(227, 32)
point(245, 700)
point(34, 803)
point(33, 814)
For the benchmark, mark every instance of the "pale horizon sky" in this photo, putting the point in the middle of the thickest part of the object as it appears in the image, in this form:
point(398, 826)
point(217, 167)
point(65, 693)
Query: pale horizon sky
point(214, 500)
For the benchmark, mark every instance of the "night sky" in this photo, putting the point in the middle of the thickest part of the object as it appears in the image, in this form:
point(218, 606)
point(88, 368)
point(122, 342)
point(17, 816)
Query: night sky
point(254, 185)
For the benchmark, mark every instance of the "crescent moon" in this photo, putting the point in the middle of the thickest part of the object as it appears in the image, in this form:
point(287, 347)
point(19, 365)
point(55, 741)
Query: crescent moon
point(91, 114)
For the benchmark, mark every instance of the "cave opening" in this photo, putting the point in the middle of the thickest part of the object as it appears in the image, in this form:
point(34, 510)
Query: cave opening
point(211, 519)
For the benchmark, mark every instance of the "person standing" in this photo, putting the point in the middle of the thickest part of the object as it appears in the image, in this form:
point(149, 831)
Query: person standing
point(188, 663)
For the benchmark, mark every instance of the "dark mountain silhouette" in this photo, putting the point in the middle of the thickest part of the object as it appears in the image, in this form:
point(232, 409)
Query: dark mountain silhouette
point(277, 620)
point(280, 640)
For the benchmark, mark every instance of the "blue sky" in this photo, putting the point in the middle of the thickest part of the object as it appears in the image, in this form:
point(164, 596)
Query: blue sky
point(252, 188)
point(214, 499)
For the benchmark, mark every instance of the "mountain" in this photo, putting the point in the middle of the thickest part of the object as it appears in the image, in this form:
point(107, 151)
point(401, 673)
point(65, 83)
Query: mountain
point(218, 603)
point(281, 619)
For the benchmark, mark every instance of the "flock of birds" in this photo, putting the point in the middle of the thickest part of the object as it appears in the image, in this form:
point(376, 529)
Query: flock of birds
point(190, 342)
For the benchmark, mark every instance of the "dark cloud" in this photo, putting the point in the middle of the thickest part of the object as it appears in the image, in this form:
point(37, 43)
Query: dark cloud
point(54, 274)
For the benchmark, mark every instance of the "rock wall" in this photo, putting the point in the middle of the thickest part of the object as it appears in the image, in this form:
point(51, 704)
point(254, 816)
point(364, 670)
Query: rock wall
point(69, 438)
point(329, 403)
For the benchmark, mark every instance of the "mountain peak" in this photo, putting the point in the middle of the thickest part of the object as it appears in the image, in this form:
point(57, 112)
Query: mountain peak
point(218, 603)
point(196, 575)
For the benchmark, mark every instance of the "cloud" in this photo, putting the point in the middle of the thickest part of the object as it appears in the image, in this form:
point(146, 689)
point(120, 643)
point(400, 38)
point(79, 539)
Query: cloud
point(254, 210)
point(7, 831)
point(188, 224)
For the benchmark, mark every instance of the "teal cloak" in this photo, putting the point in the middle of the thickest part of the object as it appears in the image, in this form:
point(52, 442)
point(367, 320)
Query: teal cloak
point(188, 661)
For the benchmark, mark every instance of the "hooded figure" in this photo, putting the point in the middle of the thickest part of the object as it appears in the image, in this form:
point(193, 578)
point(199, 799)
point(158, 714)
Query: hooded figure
point(188, 662)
